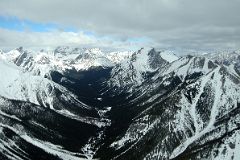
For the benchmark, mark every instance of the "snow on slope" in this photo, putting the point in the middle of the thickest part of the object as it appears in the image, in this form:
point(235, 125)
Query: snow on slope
point(188, 65)
point(118, 57)
point(224, 94)
point(61, 59)
point(45, 146)
point(20, 86)
point(13, 55)
point(23, 86)
point(202, 108)
point(9, 74)
point(92, 61)
point(133, 71)
point(168, 56)
point(67, 58)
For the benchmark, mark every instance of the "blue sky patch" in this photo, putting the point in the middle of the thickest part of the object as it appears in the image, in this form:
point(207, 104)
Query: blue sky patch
point(14, 23)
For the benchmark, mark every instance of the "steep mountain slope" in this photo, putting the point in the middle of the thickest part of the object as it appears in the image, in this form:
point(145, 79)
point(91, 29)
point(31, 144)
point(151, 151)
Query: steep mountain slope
point(38, 90)
point(29, 131)
point(231, 59)
point(188, 110)
point(132, 72)
point(33, 108)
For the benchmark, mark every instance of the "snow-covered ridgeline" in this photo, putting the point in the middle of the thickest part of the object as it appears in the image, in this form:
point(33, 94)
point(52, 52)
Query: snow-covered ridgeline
point(63, 58)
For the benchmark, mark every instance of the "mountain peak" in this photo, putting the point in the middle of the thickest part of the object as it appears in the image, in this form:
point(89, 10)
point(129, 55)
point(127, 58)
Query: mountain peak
point(169, 56)
point(20, 49)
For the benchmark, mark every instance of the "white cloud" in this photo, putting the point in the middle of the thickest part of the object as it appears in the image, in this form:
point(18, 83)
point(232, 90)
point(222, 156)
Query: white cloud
point(10, 39)
point(195, 24)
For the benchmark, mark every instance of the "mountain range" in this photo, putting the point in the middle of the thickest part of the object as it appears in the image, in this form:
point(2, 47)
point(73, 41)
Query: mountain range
point(84, 103)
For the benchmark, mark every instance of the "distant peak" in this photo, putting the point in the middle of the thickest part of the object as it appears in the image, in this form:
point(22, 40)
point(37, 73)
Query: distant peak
point(94, 50)
point(19, 49)
point(168, 56)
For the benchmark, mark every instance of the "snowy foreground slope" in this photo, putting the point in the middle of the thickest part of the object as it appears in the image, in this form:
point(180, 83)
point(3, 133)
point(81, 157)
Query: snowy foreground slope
point(74, 103)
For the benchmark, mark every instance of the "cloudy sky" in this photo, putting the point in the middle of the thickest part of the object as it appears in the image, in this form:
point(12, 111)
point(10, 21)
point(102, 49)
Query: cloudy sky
point(121, 24)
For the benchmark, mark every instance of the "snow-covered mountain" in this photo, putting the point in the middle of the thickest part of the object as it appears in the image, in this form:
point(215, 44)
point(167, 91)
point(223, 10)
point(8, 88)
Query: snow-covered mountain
point(62, 59)
point(24, 99)
point(225, 58)
point(73, 103)
point(23, 86)
point(186, 109)
point(189, 110)
point(118, 57)
point(231, 59)
point(133, 71)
